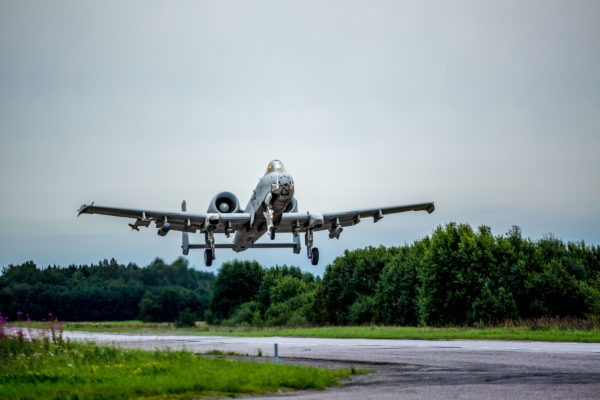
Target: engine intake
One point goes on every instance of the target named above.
(224, 202)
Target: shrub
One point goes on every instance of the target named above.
(236, 283)
(354, 274)
(246, 313)
(186, 319)
(362, 311)
(396, 292)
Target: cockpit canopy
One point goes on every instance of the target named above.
(275, 166)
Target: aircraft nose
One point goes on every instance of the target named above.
(285, 185)
(285, 180)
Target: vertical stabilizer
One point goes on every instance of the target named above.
(185, 240)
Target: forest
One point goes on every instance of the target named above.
(458, 276)
(106, 291)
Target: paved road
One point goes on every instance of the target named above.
(414, 369)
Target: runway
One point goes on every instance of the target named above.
(412, 369)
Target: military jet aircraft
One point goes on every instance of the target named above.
(272, 208)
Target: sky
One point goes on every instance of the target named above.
(490, 109)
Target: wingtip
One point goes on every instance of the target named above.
(431, 208)
(83, 209)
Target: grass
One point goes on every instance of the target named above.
(537, 330)
(513, 333)
(48, 367)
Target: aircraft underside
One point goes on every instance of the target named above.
(272, 209)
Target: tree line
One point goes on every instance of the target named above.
(458, 276)
(107, 291)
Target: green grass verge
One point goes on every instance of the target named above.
(515, 333)
(63, 370)
(368, 332)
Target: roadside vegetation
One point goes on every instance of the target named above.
(543, 329)
(107, 291)
(39, 364)
(458, 280)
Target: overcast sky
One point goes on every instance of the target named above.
(490, 109)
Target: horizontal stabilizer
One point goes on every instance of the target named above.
(254, 246)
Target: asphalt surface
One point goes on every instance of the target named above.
(411, 369)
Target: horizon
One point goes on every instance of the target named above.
(320, 268)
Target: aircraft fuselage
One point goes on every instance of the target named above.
(275, 190)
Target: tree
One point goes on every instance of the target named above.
(272, 277)
(236, 283)
(103, 291)
(354, 274)
(396, 295)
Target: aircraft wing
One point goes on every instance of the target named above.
(324, 221)
(179, 221)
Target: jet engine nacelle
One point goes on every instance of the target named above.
(292, 206)
(224, 202)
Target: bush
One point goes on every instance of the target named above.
(246, 313)
(494, 307)
(292, 311)
(236, 283)
(286, 288)
(396, 292)
(278, 314)
(186, 319)
(297, 320)
(165, 305)
(362, 311)
(354, 274)
(591, 294)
